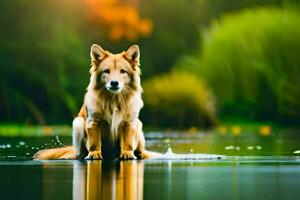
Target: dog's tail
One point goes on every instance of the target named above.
(150, 154)
(57, 153)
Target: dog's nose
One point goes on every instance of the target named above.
(114, 83)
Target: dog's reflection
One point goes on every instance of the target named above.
(108, 180)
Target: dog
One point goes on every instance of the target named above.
(108, 124)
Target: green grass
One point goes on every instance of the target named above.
(13, 130)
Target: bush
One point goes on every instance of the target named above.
(251, 60)
(178, 100)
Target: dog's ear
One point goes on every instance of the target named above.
(133, 54)
(97, 53)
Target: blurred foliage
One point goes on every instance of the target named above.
(42, 60)
(251, 60)
(178, 100)
(45, 53)
(121, 17)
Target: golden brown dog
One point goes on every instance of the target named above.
(107, 125)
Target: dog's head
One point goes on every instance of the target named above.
(115, 73)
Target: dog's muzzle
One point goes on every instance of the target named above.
(114, 86)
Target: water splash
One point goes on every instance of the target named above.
(297, 152)
(59, 141)
(169, 152)
(170, 155)
(23, 149)
(54, 143)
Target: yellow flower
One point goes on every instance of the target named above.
(47, 130)
(236, 130)
(193, 130)
(222, 130)
(265, 130)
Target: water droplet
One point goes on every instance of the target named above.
(297, 152)
(250, 147)
(22, 143)
(167, 140)
(231, 147)
(258, 147)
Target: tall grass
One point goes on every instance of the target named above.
(251, 60)
(178, 100)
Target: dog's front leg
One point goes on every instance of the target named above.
(128, 141)
(93, 143)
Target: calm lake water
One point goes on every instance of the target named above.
(249, 166)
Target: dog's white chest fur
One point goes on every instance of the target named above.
(114, 112)
(115, 121)
(108, 112)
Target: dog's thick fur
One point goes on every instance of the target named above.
(107, 125)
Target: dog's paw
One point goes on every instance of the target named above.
(127, 155)
(140, 154)
(94, 155)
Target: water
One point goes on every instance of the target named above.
(193, 166)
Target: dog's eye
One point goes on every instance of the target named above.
(106, 71)
(123, 71)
